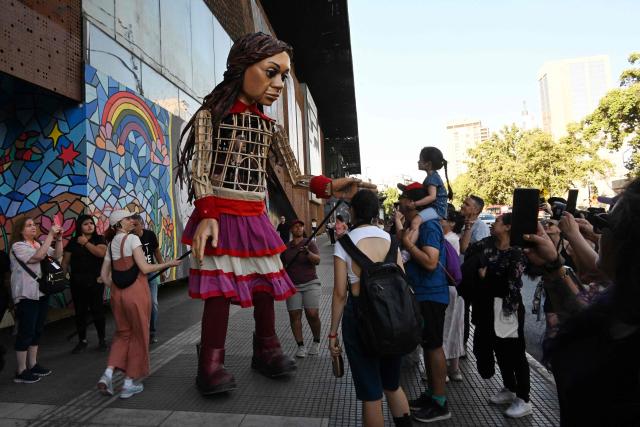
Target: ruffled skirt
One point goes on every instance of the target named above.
(247, 260)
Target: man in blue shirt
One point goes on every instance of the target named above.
(426, 273)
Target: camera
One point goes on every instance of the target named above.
(596, 217)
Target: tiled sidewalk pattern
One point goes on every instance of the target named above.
(311, 397)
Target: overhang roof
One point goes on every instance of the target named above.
(318, 30)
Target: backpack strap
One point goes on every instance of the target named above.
(356, 254)
(392, 255)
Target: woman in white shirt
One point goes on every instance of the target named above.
(31, 304)
(131, 306)
(371, 376)
(453, 336)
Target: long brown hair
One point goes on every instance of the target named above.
(246, 51)
(16, 230)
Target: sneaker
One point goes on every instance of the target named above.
(503, 396)
(446, 379)
(519, 408)
(80, 347)
(432, 412)
(152, 339)
(127, 392)
(456, 375)
(105, 385)
(419, 403)
(302, 351)
(314, 350)
(26, 377)
(40, 371)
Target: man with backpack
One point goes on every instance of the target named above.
(427, 274)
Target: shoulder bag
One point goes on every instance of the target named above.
(53, 279)
(123, 278)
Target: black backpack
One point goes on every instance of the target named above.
(388, 316)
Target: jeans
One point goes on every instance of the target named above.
(30, 315)
(153, 288)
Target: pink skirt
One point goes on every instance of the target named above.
(247, 260)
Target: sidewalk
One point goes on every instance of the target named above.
(311, 397)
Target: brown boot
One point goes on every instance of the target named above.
(212, 377)
(268, 358)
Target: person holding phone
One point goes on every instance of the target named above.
(32, 305)
(498, 314)
(595, 357)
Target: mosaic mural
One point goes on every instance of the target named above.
(59, 159)
(42, 159)
(129, 157)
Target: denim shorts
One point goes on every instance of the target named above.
(371, 375)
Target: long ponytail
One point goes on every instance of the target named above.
(446, 176)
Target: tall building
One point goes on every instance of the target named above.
(461, 136)
(570, 89)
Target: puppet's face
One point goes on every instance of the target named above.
(264, 80)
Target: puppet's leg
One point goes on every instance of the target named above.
(212, 377)
(268, 357)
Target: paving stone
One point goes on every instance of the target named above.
(131, 417)
(192, 419)
(276, 421)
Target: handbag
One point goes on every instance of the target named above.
(53, 278)
(337, 364)
(505, 325)
(123, 278)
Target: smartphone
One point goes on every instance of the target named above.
(572, 199)
(524, 218)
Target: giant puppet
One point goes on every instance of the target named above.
(224, 161)
(236, 249)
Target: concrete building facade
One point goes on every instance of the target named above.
(461, 136)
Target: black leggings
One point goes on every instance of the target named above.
(88, 298)
(30, 315)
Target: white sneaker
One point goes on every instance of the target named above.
(314, 350)
(519, 408)
(456, 375)
(503, 396)
(105, 385)
(302, 351)
(127, 392)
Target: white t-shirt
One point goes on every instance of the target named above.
(357, 235)
(132, 242)
(454, 240)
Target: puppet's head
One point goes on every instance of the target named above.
(257, 67)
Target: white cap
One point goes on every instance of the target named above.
(118, 215)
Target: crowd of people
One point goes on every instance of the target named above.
(456, 271)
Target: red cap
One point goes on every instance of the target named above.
(409, 187)
(297, 221)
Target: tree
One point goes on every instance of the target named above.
(515, 158)
(392, 195)
(616, 120)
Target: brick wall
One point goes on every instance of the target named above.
(234, 16)
(41, 43)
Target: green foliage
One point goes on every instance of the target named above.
(616, 120)
(515, 158)
(392, 195)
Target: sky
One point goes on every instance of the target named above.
(419, 64)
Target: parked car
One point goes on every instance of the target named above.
(487, 218)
